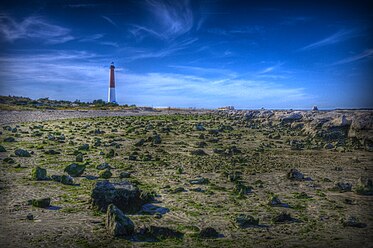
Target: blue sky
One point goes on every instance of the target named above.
(208, 53)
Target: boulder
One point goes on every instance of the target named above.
(123, 195)
(117, 223)
(66, 179)
(22, 153)
(244, 221)
(75, 170)
(124, 174)
(39, 174)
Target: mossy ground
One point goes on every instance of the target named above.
(262, 164)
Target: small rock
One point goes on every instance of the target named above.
(22, 153)
(41, 203)
(124, 174)
(2, 148)
(294, 174)
(66, 179)
(283, 217)
(117, 223)
(103, 166)
(352, 221)
(177, 190)
(343, 187)
(329, 146)
(9, 139)
(79, 158)
(84, 147)
(52, 152)
(30, 216)
(364, 186)
(200, 180)
(198, 152)
(208, 232)
(75, 170)
(164, 232)
(274, 201)
(106, 174)
(244, 221)
(39, 174)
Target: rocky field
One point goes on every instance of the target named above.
(205, 179)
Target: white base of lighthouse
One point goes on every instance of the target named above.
(111, 95)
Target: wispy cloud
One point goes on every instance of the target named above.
(340, 36)
(33, 28)
(216, 72)
(270, 68)
(171, 19)
(172, 49)
(364, 55)
(109, 20)
(254, 29)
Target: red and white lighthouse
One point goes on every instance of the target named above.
(111, 93)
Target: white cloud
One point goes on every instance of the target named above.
(366, 54)
(33, 28)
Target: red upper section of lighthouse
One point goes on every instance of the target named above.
(112, 79)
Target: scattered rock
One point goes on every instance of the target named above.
(283, 218)
(75, 170)
(2, 148)
(124, 174)
(22, 153)
(79, 158)
(208, 232)
(364, 186)
(329, 146)
(41, 203)
(84, 147)
(352, 221)
(244, 221)
(39, 174)
(164, 232)
(200, 180)
(177, 190)
(103, 166)
(105, 173)
(30, 216)
(294, 174)
(198, 152)
(117, 223)
(343, 187)
(9, 139)
(123, 195)
(52, 152)
(9, 160)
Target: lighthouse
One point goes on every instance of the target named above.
(111, 93)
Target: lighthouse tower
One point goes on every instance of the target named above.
(111, 93)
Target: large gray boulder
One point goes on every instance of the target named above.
(123, 195)
(117, 223)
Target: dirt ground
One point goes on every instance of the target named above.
(230, 147)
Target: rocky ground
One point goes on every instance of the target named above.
(205, 179)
